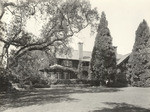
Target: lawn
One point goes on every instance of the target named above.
(94, 99)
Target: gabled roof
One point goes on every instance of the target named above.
(123, 59)
(86, 56)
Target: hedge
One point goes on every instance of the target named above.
(76, 81)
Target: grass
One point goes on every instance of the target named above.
(91, 99)
(44, 96)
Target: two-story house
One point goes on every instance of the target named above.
(73, 60)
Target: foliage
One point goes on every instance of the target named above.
(121, 76)
(27, 70)
(62, 20)
(37, 85)
(74, 82)
(103, 62)
(139, 61)
(5, 82)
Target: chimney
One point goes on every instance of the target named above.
(80, 45)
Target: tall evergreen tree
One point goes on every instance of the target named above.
(139, 61)
(103, 62)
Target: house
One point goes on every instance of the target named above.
(83, 57)
(74, 59)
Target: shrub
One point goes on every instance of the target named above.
(5, 84)
(40, 86)
(118, 84)
(147, 84)
(94, 82)
(77, 82)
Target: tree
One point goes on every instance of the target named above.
(62, 20)
(139, 61)
(103, 62)
(14, 33)
(27, 69)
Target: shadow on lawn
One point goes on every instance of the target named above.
(122, 107)
(34, 97)
(98, 90)
(43, 96)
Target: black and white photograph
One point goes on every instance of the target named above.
(74, 55)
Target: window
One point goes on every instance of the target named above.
(85, 63)
(67, 63)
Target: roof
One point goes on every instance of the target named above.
(123, 59)
(75, 55)
(57, 68)
(86, 56)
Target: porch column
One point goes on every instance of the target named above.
(69, 75)
(65, 75)
(58, 75)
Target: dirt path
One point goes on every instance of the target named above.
(125, 100)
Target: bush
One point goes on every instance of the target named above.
(77, 81)
(138, 84)
(40, 86)
(118, 84)
(94, 82)
(147, 84)
(5, 85)
(63, 81)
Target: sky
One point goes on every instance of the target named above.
(123, 18)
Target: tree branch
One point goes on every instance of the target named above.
(12, 43)
(3, 6)
(9, 4)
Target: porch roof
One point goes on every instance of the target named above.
(58, 68)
